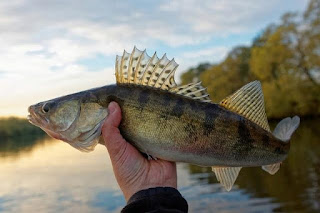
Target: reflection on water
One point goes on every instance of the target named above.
(55, 177)
(21, 145)
(50, 176)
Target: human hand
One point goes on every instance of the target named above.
(133, 172)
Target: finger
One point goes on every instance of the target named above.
(114, 114)
(110, 132)
(117, 146)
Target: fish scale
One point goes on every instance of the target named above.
(145, 103)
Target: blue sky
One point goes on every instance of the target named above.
(55, 47)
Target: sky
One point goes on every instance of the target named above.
(56, 47)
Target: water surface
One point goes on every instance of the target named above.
(45, 175)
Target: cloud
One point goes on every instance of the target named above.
(225, 17)
(44, 42)
(217, 53)
(193, 58)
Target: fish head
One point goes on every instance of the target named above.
(53, 116)
(76, 120)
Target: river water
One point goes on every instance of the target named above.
(45, 175)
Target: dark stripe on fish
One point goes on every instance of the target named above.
(265, 140)
(191, 130)
(143, 99)
(124, 93)
(165, 101)
(209, 121)
(279, 150)
(178, 108)
(245, 142)
(194, 106)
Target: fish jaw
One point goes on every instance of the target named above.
(43, 123)
(54, 135)
(36, 119)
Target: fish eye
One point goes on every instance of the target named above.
(45, 108)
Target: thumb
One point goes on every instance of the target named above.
(114, 142)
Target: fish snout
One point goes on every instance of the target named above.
(36, 114)
(31, 116)
(31, 109)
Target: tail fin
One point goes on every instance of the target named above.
(283, 131)
(286, 128)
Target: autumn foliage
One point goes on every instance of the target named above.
(285, 57)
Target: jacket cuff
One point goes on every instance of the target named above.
(160, 199)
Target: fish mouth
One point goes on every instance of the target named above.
(32, 117)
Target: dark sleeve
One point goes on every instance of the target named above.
(160, 199)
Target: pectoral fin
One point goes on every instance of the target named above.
(226, 175)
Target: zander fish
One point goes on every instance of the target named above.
(175, 123)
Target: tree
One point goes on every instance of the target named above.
(225, 78)
(285, 57)
(309, 43)
(193, 74)
(286, 64)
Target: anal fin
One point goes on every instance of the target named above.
(226, 175)
(272, 168)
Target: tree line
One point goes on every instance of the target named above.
(284, 57)
(11, 128)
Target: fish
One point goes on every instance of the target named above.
(172, 122)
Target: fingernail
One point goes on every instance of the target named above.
(111, 107)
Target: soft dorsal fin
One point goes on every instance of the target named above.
(226, 175)
(248, 101)
(140, 69)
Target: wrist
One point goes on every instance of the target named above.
(161, 198)
(133, 190)
(154, 191)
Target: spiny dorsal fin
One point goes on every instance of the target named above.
(248, 101)
(124, 66)
(140, 69)
(194, 90)
(133, 62)
(226, 175)
(149, 69)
